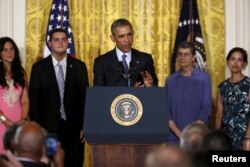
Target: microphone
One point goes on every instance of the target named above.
(132, 67)
(120, 68)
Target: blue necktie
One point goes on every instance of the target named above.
(125, 65)
(60, 81)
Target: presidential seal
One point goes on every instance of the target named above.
(126, 109)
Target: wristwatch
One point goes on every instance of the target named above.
(2, 118)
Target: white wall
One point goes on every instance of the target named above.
(12, 22)
(237, 21)
(237, 14)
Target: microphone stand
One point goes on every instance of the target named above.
(126, 74)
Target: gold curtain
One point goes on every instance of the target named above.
(211, 14)
(155, 24)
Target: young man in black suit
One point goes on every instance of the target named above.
(110, 70)
(57, 96)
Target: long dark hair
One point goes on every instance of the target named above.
(17, 71)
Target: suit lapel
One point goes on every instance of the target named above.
(51, 71)
(113, 60)
(113, 57)
(69, 71)
(135, 58)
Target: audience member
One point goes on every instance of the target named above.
(188, 93)
(29, 140)
(14, 101)
(8, 138)
(57, 95)
(192, 137)
(168, 156)
(233, 106)
(124, 66)
(216, 141)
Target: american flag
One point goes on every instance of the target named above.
(189, 29)
(59, 18)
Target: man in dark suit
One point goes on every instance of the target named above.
(58, 104)
(110, 69)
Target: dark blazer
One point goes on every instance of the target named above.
(45, 98)
(33, 164)
(107, 69)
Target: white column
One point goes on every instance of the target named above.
(237, 25)
(6, 17)
(12, 22)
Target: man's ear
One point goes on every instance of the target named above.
(49, 44)
(112, 38)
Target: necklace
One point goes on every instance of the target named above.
(10, 96)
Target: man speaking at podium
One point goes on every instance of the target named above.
(124, 66)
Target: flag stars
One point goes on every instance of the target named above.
(59, 18)
(188, 22)
(60, 7)
(180, 24)
(65, 8)
(70, 40)
(52, 17)
(69, 30)
(64, 18)
(53, 7)
(185, 22)
(196, 21)
(50, 27)
(68, 51)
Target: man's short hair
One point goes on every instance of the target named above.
(119, 23)
(57, 30)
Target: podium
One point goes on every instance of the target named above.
(123, 124)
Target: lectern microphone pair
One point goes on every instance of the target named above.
(126, 73)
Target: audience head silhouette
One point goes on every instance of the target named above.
(8, 138)
(216, 141)
(168, 156)
(192, 137)
(29, 141)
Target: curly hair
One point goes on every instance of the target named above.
(17, 71)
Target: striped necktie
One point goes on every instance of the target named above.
(60, 82)
(125, 64)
